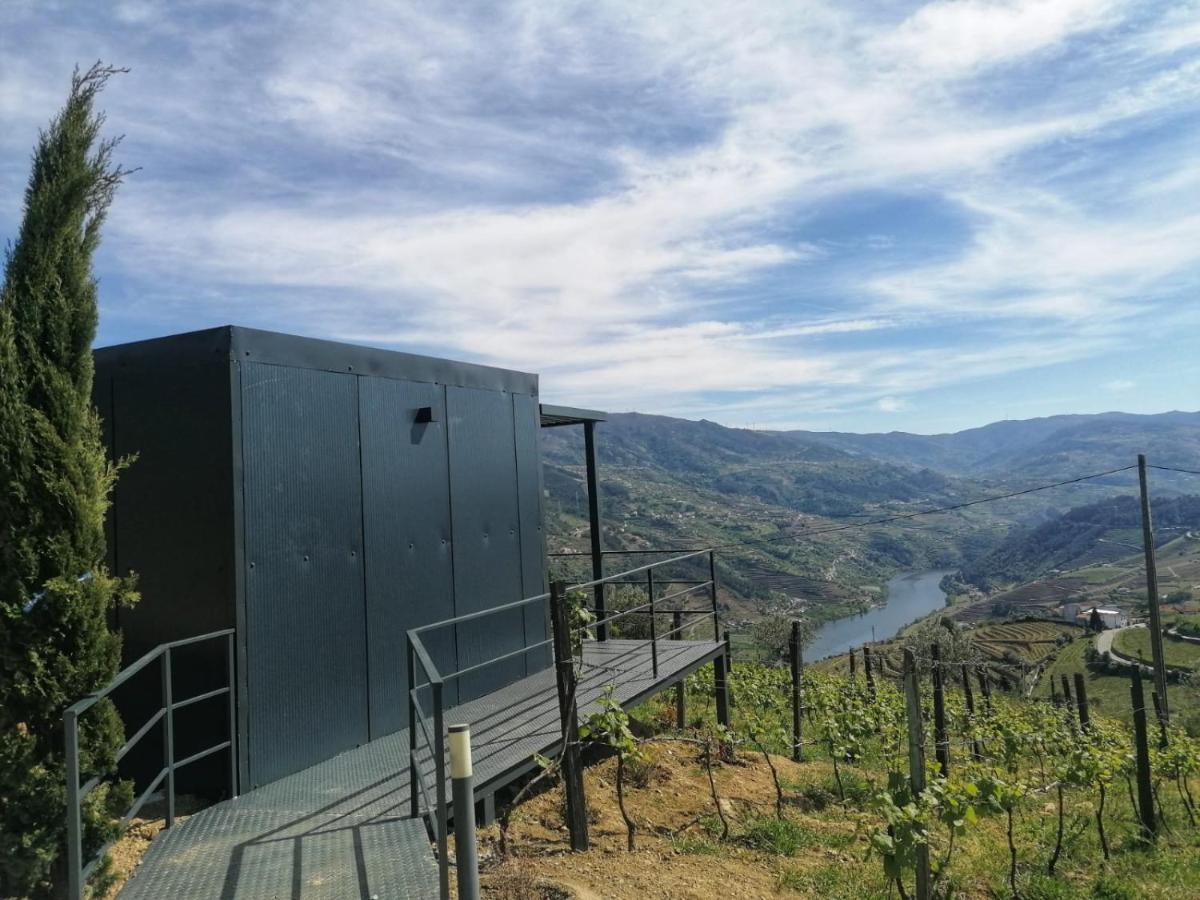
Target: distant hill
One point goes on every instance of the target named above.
(787, 469)
(671, 482)
(1087, 535)
(1052, 447)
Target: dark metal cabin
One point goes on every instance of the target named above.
(323, 499)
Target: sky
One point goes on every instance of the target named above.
(861, 216)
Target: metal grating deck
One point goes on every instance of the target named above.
(339, 829)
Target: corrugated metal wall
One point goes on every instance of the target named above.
(406, 513)
(487, 544)
(170, 523)
(305, 605)
(528, 427)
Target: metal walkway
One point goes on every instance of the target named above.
(340, 830)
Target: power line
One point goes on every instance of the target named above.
(1173, 469)
(929, 512)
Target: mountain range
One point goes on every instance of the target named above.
(788, 504)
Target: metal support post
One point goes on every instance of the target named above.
(596, 529)
(439, 757)
(169, 734)
(231, 658)
(74, 820)
(414, 800)
(680, 688)
(462, 782)
(653, 623)
(712, 584)
(721, 688)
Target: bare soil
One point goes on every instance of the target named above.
(669, 812)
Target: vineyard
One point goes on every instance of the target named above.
(1021, 798)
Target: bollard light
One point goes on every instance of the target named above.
(462, 782)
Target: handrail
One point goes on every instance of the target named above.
(569, 553)
(425, 675)
(664, 562)
(133, 668)
(79, 870)
(470, 617)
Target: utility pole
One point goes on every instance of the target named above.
(1156, 647)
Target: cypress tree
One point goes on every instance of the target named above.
(55, 481)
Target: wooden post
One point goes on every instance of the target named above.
(985, 689)
(680, 688)
(916, 762)
(564, 664)
(1142, 749)
(1156, 645)
(867, 671)
(941, 741)
(1068, 700)
(1081, 700)
(976, 749)
(853, 673)
(794, 654)
(1054, 693)
(1162, 724)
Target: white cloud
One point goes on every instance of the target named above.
(952, 36)
(601, 191)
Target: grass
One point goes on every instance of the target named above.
(1109, 694)
(782, 837)
(1135, 643)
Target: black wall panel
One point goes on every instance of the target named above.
(305, 608)
(170, 524)
(172, 507)
(527, 428)
(487, 558)
(409, 556)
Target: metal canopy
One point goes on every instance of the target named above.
(554, 416)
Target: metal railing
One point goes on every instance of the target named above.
(79, 870)
(420, 663)
(427, 732)
(653, 607)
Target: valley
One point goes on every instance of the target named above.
(793, 512)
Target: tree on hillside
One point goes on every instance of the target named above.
(55, 480)
(1095, 623)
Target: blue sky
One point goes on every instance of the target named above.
(833, 215)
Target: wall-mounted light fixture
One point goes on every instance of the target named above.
(426, 414)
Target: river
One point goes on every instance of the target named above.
(909, 597)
